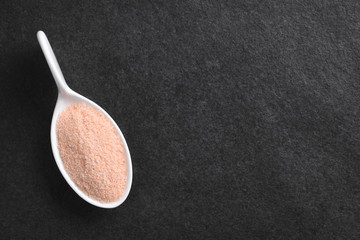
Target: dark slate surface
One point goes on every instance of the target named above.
(242, 117)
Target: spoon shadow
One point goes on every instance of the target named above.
(36, 92)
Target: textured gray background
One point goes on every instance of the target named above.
(242, 117)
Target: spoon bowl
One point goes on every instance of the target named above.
(67, 97)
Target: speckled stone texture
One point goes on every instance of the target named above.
(242, 117)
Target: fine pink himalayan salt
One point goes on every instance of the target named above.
(92, 152)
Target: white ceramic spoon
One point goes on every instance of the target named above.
(65, 98)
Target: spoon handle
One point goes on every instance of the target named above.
(53, 63)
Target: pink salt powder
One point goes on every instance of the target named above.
(92, 152)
